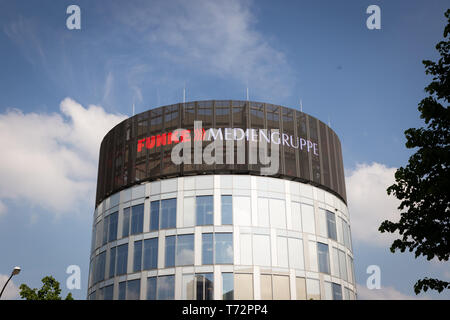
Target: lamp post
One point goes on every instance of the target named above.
(15, 271)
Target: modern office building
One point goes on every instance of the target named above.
(223, 229)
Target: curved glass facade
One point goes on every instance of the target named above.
(221, 237)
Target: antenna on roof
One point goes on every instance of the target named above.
(184, 93)
(329, 122)
(133, 108)
(301, 106)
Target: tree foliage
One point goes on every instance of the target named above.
(423, 185)
(50, 290)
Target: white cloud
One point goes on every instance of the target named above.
(11, 291)
(369, 204)
(385, 293)
(50, 160)
(3, 208)
(217, 37)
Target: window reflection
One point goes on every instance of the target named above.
(150, 253)
(223, 248)
(170, 251)
(126, 222)
(108, 293)
(227, 286)
(166, 287)
(137, 258)
(337, 291)
(227, 209)
(154, 215)
(122, 290)
(331, 225)
(322, 254)
(122, 258)
(207, 248)
(204, 210)
(185, 250)
(205, 286)
(168, 213)
(151, 288)
(133, 289)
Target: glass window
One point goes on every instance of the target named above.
(227, 209)
(185, 250)
(122, 290)
(337, 291)
(126, 222)
(346, 293)
(243, 284)
(188, 287)
(242, 211)
(246, 249)
(349, 238)
(328, 290)
(227, 286)
(93, 241)
(112, 262)
(324, 261)
(101, 266)
(189, 212)
(168, 213)
(350, 269)
(277, 213)
(137, 258)
(322, 223)
(98, 236)
(342, 265)
(263, 212)
(133, 289)
(166, 287)
(266, 287)
(312, 289)
(223, 248)
(122, 258)
(150, 253)
(345, 233)
(151, 288)
(261, 250)
(300, 284)
(331, 225)
(204, 210)
(205, 286)
(282, 252)
(170, 251)
(340, 232)
(335, 265)
(281, 289)
(108, 293)
(137, 219)
(296, 218)
(154, 215)
(312, 246)
(296, 260)
(308, 218)
(113, 222)
(100, 295)
(105, 230)
(207, 248)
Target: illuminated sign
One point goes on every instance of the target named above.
(228, 134)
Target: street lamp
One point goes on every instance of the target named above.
(15, 271)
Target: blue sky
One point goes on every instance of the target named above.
(55, 81)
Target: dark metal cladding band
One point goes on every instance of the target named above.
(139, 148)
